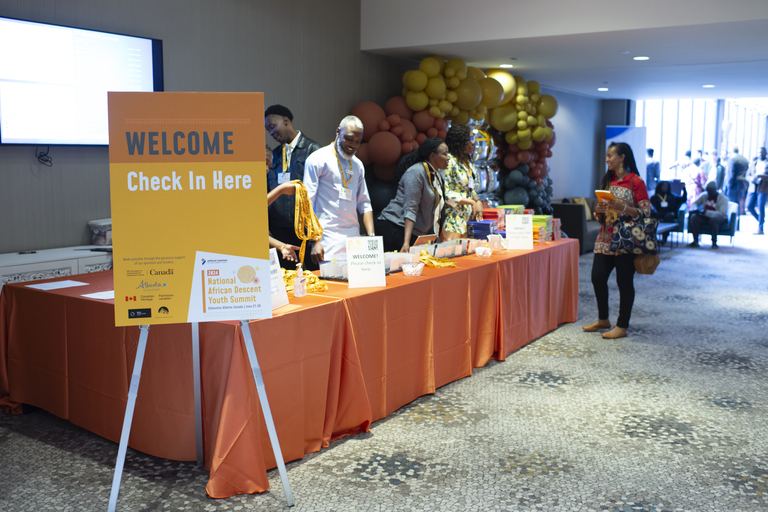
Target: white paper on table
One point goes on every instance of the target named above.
(365, 261)
(101, 295)
(520, 232)
(56, 285)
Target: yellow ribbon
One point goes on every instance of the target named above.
(314, 283)
(344, 179)
(430, 261)
(305, 222)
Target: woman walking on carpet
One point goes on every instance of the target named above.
(631, 202)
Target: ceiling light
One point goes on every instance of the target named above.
(641, 58)
(625, 53)
(602, 89)
(506, 66)
(708, 86)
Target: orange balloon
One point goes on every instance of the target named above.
(384, 148)
(396, 105)
(371, 115)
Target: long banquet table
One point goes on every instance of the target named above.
(332, 362)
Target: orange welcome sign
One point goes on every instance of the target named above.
(187, 176)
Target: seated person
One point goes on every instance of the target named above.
(665, 204)
(418, 206)
(714, 214)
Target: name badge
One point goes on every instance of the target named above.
(283, 177)
(664, 204)
(345, 194)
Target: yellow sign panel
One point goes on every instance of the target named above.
(188, 190)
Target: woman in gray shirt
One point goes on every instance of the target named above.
(418, 206)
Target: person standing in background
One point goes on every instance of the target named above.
(736, 179)
(288, 161)
(652, 172)
(758, 188)
(461, 201)
(695, 181)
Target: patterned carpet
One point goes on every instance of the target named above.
(671, 418)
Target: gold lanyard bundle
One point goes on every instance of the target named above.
(314, 283)
(430, 261)
(305, 221)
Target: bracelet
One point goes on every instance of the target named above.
(624, 211)
(283, 247)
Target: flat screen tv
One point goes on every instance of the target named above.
(54, 80)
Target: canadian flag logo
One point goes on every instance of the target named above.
(130, 298)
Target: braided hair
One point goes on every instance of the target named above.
(621, 148)
(421, 154)
(457, 138)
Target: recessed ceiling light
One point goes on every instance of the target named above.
(708, 86)
(625, 53)
(602, 89)
(640, 57)
(506, 66)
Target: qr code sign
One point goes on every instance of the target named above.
(526, 219)
(373, 245)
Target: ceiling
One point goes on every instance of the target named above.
(580, 46)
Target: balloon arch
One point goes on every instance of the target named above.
(511, 119)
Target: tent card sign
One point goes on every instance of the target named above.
(189, 201)
(519, 232)
(365, 261)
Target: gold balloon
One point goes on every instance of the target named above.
(453, 82)
(532, 121)
(535, 98)
(405, 77)
(511, 137)
(547, 106)
(549, 133)
(520, 82)
(524, 143)
(433, 102)
(469, 94)
(524, 134)
(522, 115)
(541, 120)
(417, 100)
(455, 111)
(520, 99)
(445, 106)
(522, 125)
(462, 117)
(539, 134)
(534, 87)
(435, 87)
(440, 61)
(506, 81)
(417, 80)
(430, 67)
(457, 64)
(479, 75)
(451, 96)
(461, 74)
(449, 72)
(479, 116)
(503, 118)
(434, 111)
(492, 90)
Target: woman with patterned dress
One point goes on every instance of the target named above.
(626, 186)
(461, 201)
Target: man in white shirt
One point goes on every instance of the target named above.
(713, 214)
(335, 181)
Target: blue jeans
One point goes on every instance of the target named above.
(759, 200)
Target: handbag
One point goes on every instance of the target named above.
(646, 263)
(635, 236)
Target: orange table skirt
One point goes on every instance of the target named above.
(332, 362)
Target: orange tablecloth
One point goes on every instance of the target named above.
(332, 362)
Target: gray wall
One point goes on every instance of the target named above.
(304, 54)
(577, 157)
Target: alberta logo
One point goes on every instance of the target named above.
(144, 285)
(163, 310)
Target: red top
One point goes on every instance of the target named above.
(630, 190)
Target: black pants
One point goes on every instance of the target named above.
(602, 266)
(697, 220)
(393, 235)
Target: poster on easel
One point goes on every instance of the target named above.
(189, 207)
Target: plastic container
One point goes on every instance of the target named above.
(299, 283)
(101, 231)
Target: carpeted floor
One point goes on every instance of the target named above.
(671, 418)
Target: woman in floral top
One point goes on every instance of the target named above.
(461, 202)
(626, 186)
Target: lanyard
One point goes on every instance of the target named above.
(285, 160)
(663, 198)
(341, 169)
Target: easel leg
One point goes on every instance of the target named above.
(266, 410)
(198, 395)
(132, 392)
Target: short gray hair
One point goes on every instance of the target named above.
(351, 122)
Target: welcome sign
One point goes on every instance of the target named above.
(189, 208)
